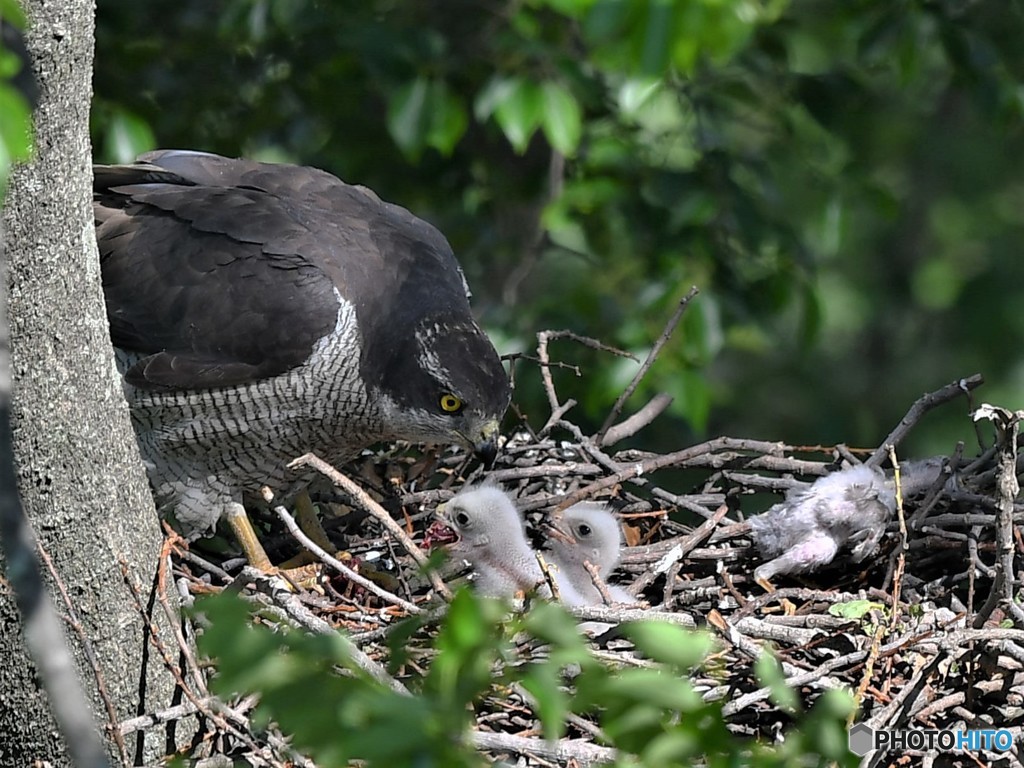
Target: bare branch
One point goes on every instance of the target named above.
(666, 334)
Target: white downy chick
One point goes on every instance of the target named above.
(587, 532)
(850, 507)
(492, 539)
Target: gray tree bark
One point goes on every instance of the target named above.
(78, 470)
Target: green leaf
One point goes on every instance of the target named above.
(667, 643)
(407, 116)
(15, 128)
(635, 92)
(467, 646)
(561, 118)
(544, 682)
(425, 112)
(855, 609)
(491, 95)
(447, 118)
(654, 687)
(551, 623)
(655, 36)
(671, 748)
(127, 136)
(694, 397)
(769, 672)
(518, 112)
(11, 12)
(574, 9)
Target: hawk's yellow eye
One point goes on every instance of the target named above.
(450, 403)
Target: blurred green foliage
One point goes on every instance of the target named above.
(16, 89)
(843, 180)
(652, 714)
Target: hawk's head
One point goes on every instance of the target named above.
(444, 384)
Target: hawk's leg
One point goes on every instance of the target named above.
(246, 535)
(309, 521)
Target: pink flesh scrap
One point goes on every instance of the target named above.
(439, 533)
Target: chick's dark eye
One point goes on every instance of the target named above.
(449, 403)
(584, 530)
(462, 519)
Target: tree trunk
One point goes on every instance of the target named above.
(78, 469)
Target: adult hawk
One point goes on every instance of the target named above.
(259, 311)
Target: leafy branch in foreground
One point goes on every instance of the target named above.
(648, 715)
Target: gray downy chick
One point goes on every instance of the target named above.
(850, 508)
(587, 532)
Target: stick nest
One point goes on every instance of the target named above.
(925, 633)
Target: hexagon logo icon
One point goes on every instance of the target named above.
(862, 738)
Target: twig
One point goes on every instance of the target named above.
(1007, 425)
(923, 404)
(287, 600)
(375, 509)
(901, 551)
(683, 546)
(171, 615)
(179, 678)
(615, 615)
(598, 582)
(543, 339)
(90, 655)
(630, 426)
(333, 562)
(666, 334)
(678, 458)
(583, 752)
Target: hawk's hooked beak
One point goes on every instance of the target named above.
(486, 451)
(487, 448)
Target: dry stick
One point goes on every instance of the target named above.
(630, 426)
(220, 709)
(290, 603)
(153, 719)
(563, 750)
(869, 672)
(599, 583)
(545, 375)
(813, 676)
(666, 334)
(281, 744)
(1007, 427)
(614, 615)
(887, 716)
(923, 404)
(175, 671)
(543, 338)
(377, 511)
(901, 552)
(173, 617)
(682, 547)
(333, 562)
(676, 458)
(592, 730)
(556, 416)
(590, 447)
(90, 655)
